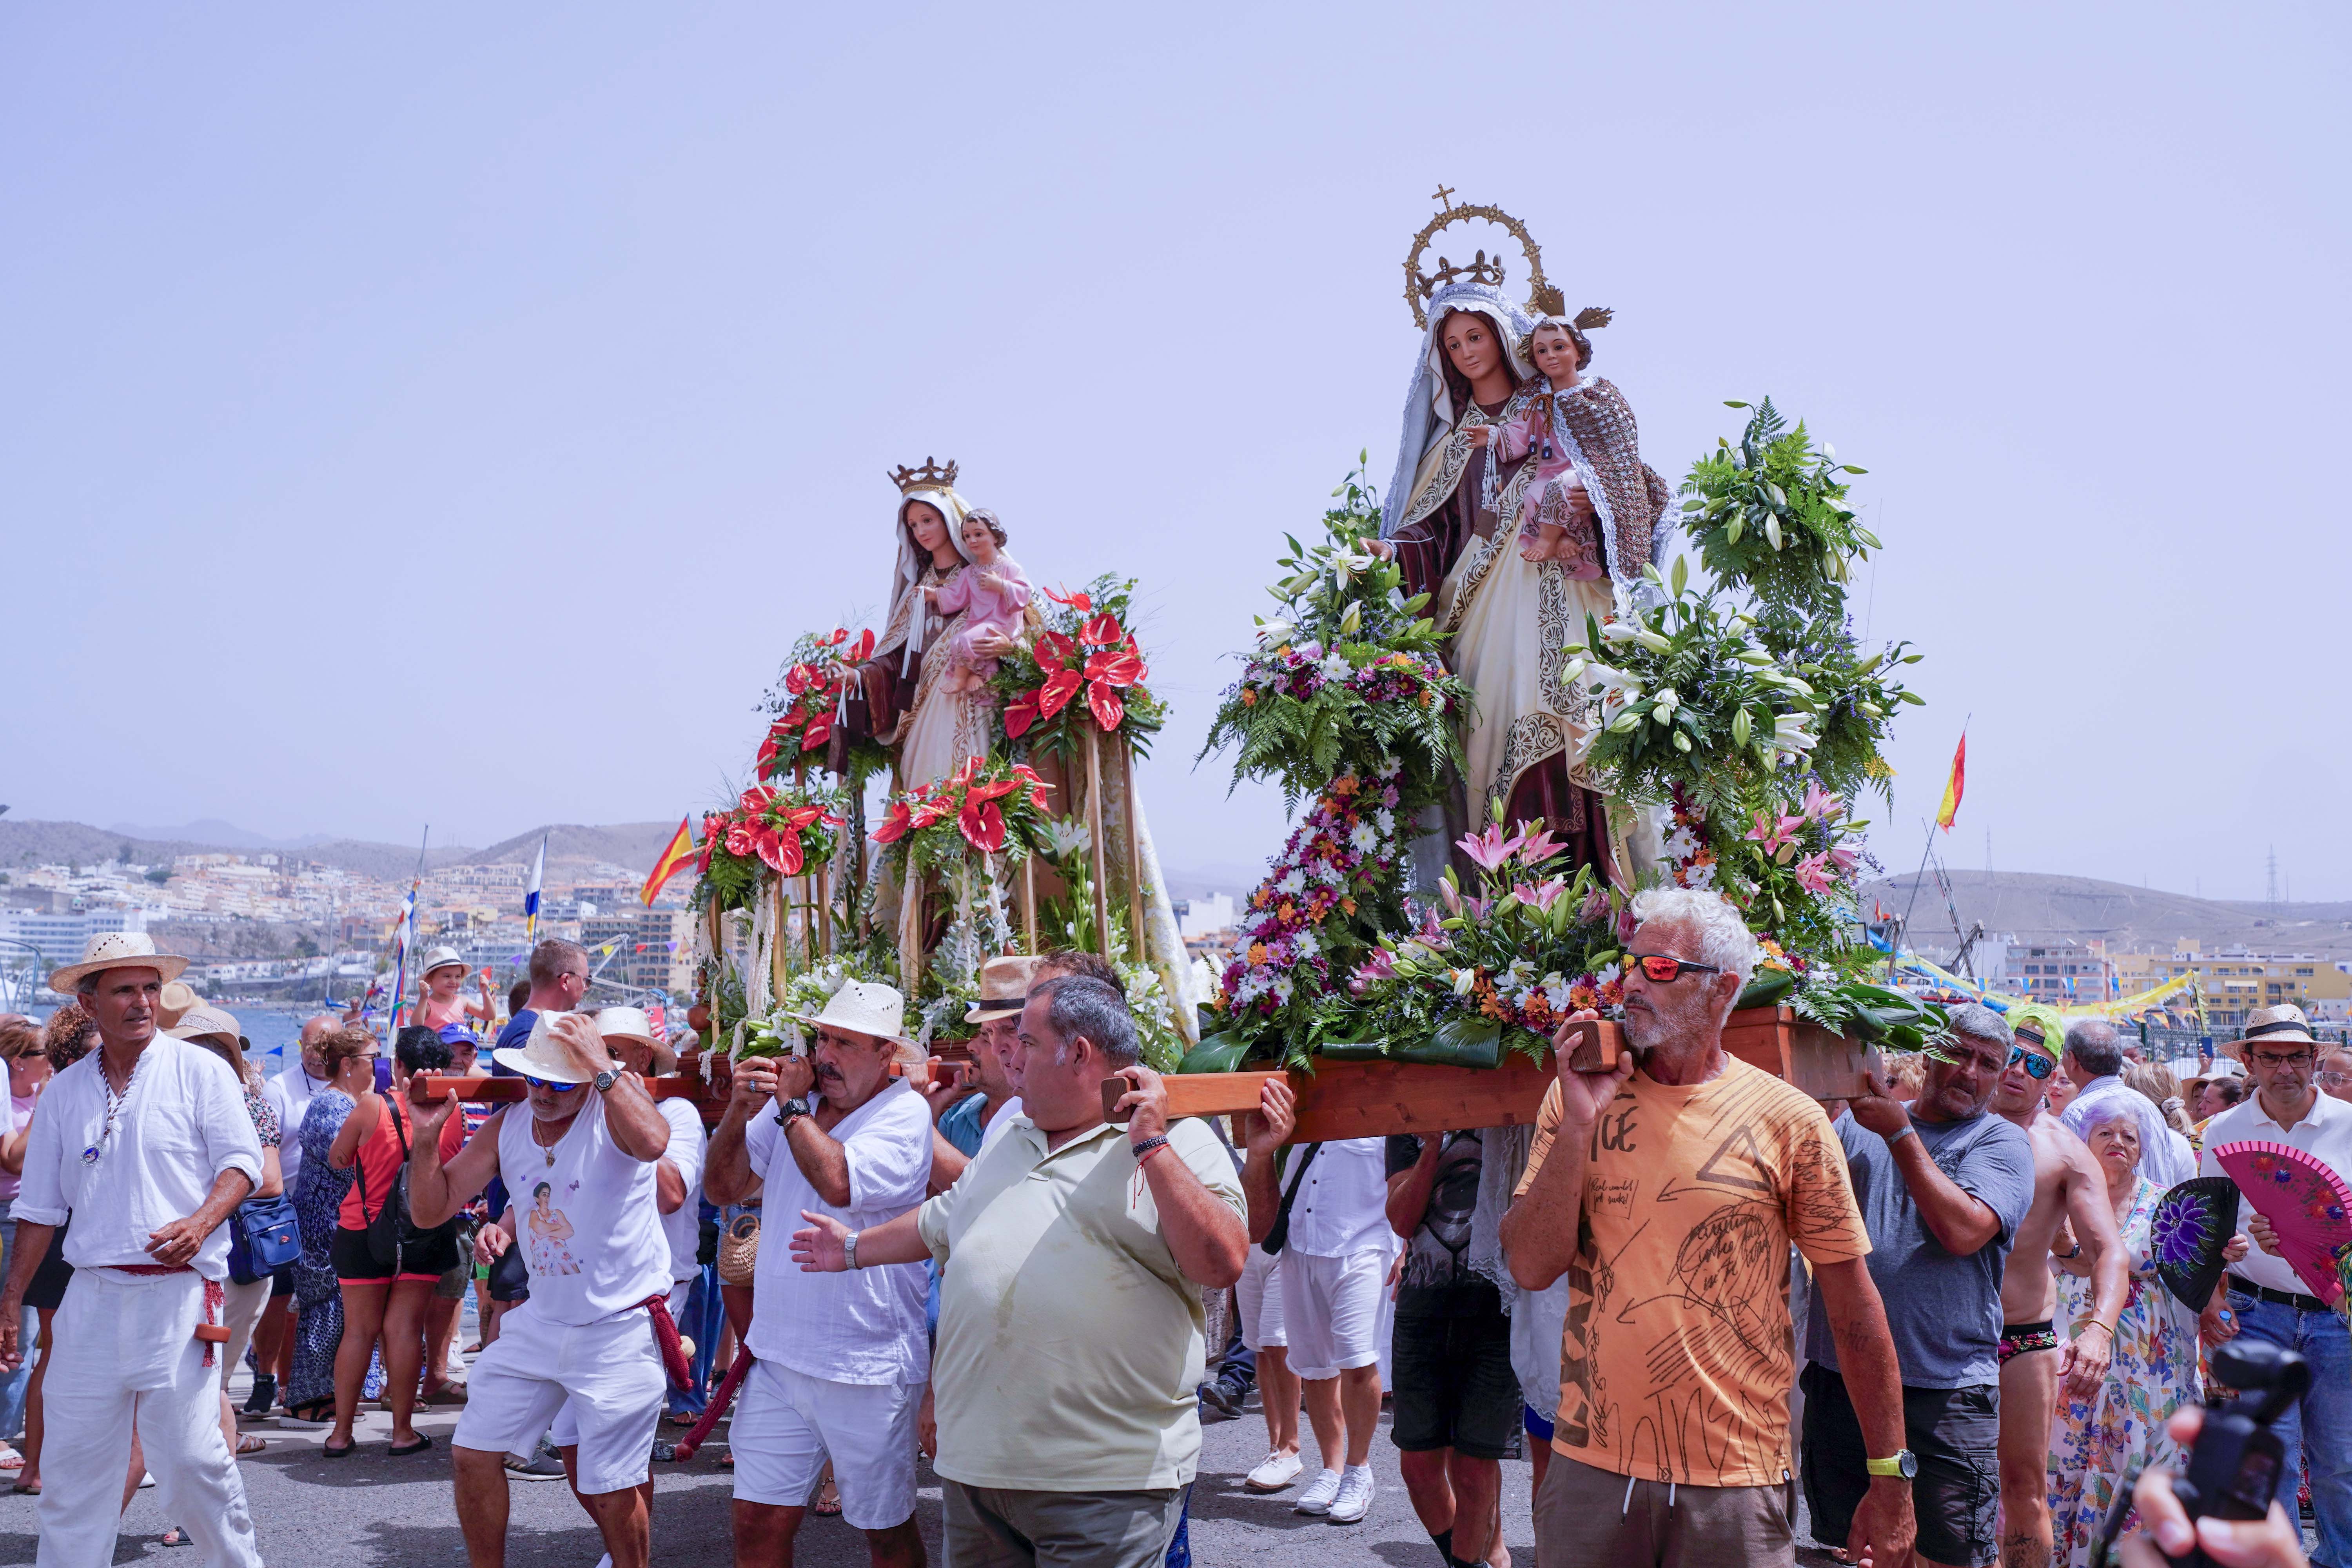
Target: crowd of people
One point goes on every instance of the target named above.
(1684, 1293)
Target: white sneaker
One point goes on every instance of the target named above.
(1316, 1498)
(1355, 1499)
(1275, 1472)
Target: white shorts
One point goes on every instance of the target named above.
(1258, 1294)
(606, 1377)
(787, 1424)
(564, 1430)
(1331, 1309)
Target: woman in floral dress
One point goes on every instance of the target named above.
(2099, 1444)
(318, 1198)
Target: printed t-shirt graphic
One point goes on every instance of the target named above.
(1678, 1356)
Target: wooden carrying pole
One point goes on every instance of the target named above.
(1134, 852)
(1094, 833)
(1029, 901)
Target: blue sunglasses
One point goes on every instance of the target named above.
(2037, 1066)
(556, 1088)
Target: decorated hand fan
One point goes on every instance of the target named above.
(2307, 1205)
(2192, 1224)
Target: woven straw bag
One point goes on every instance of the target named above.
(738, 1249)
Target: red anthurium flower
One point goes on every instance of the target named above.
(1019, 714)
(739, 841)
(963, 775)
(800, 817)
(800, 680)
(1059, 688)
(895, 826)
(1104, 702)
(1054, 651)
(863, 648)
(788, 858)
(1102, 631)
(1115, 666)
(982, 824)
(997, 790)
(766, 763)
(819, 731)
(1077, 601)
(926, 814)
(840, 635)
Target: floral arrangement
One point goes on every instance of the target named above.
(1347, 673)
(1084, 648)
(1325, 899)
(805, 700)
(783, 828)
(987, 805)
(1499, 970)
(1767, 513)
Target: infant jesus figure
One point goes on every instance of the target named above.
(993, 588)
(1552, 526)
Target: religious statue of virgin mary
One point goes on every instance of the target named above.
(1453, 526)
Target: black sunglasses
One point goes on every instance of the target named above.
(1657, 966)
(2037, 1066)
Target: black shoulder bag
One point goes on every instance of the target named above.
(1279, 1237)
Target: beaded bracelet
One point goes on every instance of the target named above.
(1148, 1147)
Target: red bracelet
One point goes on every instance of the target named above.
(1150, 1147)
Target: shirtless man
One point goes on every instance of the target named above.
(2066, 1185)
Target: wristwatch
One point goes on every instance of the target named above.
(1904, 1464)
(606, 1079)
(849, 1249)
(790, 1111)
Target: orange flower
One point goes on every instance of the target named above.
(1257, 953)
(1249, 698)
(1348, 906)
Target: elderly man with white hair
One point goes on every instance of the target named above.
(2095, 1060)
(147, 1143)
(1668, 1190)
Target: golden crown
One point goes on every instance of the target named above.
(929, 477)
(1543, 298)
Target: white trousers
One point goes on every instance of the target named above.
(125, 1352)
(241, 1311)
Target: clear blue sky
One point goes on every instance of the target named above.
(410, 414)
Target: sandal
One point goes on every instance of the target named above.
(29, 1488)
(176, 1536)
(828, 1503)
(247, 1443)
(329, 1451)
(402, 1450)
(448, 1393)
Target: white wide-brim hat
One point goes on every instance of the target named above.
(631, 1024)
(541, 1055)
(441, 958)
(116, 950)
(201, 1021)
(863, 1007)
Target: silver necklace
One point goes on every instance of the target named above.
(114, 1104)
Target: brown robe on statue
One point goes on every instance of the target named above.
(1544, 793)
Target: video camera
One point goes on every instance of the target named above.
(2235, 1468)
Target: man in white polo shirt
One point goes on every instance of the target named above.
(146, 1142)
(2265, 1299)
(841, 1360)
(580, 1157)
(1335, 1250)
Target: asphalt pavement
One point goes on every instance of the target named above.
(373, 1508)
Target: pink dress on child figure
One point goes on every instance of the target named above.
(992, 609)
(1547, 493)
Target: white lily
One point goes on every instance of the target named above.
(1618, 631)
(1651, 640)
(1464, 980)
(1275, 631)
(1352, 619)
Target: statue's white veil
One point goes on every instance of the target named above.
(912, 624)
(1429, 411)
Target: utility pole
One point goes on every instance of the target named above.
(2269, 894)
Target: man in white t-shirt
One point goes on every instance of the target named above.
(678, 1176)
(841, 1359)
(581, 1159)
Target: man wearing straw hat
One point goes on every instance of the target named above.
(2264, 1298)
(580, 1157)
(146, 1142)
(840, 1362)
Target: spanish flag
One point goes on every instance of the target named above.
(1951, 806)
(680, 850)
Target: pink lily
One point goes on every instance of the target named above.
(1452, 896)
(1490, 849)
(1842, 857)
(1812, 873)
(1820, 805)
(1773, 837)
(1542, 898)
(1539, 847)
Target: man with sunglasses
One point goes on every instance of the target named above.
(2069, 1187)
(2265, 1298)
(1668, 1194)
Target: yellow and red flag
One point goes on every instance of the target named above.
(679, 851)
(1951, 806)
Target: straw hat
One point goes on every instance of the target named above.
(541, 1055)
(1004, 988)
(179, 999)
(116, 950)
(863, 1007)
(2284, 1026)
(440, 958)
(200, 1021)
(631, 1024)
